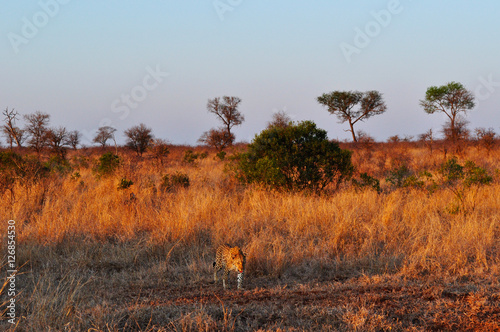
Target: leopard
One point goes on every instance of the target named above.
(229, 259)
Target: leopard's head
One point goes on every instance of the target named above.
(237, 259)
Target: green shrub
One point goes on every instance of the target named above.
(221, 155)
(75, 176)
(475, 175)
(294, 158)
(171, 182)
(9, 169)
(366, 181)
(80, 162)
(451, 170)
(459, 179)
(9, 160)
(58, 164)
(469, 173)
(107, 164)
(124, 184)
(398, 176)
(190, 157)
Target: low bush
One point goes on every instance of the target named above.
(171, 182)
(294, 158)
(107, 164)
(124, 184)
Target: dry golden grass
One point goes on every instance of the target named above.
(98, 258)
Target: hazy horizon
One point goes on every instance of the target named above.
(89, 64)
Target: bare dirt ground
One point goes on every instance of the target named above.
(363, 304)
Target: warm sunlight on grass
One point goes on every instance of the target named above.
(87, 244)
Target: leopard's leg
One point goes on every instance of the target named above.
(224, 278)
(240, 280)
(216, 270)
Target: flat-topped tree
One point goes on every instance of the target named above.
(343, 103)
(450, 99)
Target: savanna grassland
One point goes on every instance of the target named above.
(101, 253)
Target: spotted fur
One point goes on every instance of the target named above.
(229, 259)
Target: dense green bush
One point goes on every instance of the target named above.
(296, 157)
(107, 164)
(469, 173)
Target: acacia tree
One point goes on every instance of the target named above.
(36, 127)
(103, 135)
(342, 103)
(227, 111)
(139, 138)
(450, 99)
(11, 132)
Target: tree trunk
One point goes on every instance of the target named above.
(352, 131)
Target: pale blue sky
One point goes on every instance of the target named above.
(78, 61)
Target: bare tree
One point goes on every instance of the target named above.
(342, 104)
(486, 138)
(217, 138)
(103, 135)
(139, 138)
(456, 130)
(280, 119)
(74, 138)
(427, 138)
(36, 127)
(57, 138)
(159, 149)
(12, 133)
(227, 111)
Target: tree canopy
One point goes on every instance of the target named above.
(342, 103)
(451, 99)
